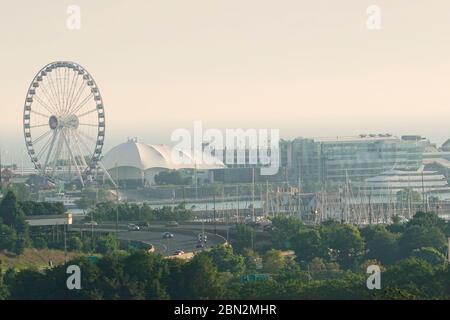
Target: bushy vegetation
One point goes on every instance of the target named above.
(293, 261)
(132, 212)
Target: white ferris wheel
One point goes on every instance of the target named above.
(64, 122)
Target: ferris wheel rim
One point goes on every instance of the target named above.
(63, 119)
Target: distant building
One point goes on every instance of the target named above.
(384, 188)
(321, 163)
(138, 162)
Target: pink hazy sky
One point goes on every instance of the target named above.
(308, 68)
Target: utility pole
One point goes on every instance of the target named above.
(237, 203)
(214, 212)
(253, 194)
(65, 242)
(1, 167)
(423, 195)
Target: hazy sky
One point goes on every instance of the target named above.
(309, 68)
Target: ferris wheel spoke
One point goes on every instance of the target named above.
(80, 152)
(56, 88)
(65, 95)
(39, 125)
(53, 88)
(80, 91)
(49, 96)
(42, 136)
(40, 114)
(59, 86)
(83, 143)
(87, 136)
(87, 112)
(52, 144)
(44, 148)
(83, 103)
(42, 103)
(57, 155)
(71, 89)
(88, 124)
(73, 159)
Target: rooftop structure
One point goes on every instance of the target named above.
(135, 160)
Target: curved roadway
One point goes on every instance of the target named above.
(185, 239)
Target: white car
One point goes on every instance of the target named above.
(133, 227)
(178, 253)
(167, 235)
(91, 223)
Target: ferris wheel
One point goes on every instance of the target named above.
(64, 122)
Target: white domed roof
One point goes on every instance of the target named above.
(142, 156)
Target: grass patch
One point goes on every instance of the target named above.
(35, 258)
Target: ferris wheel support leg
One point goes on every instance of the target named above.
(55, 135)
(107, 174)
(73, 159)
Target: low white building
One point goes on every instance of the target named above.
(138, 161)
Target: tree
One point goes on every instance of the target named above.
(243, 238)
(430, 255)
(74, 243)
(380, 244)
(144, 272)
(308, 245)
(8, 238)
(430, 219)
(320, 269)
(21, 190)
(106, 244)
(344, 242)
(251, 259)
(11, 214)
(4, 291)
(202, 280)
(225, 260)
(416, 237)
(284, 230)
(273, 261)
(414, 275)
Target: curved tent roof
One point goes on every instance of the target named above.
(142, 156)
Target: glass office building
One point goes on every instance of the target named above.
(328, 163)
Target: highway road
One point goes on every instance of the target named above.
(184, 239)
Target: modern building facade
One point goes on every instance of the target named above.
(327, 163)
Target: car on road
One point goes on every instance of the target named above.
(178, 253)
(133, 227)
(202, 237)
(143, 224)
(167, 235)
(172, 224)
(91, 223)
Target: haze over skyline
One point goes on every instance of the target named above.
(307, 68)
